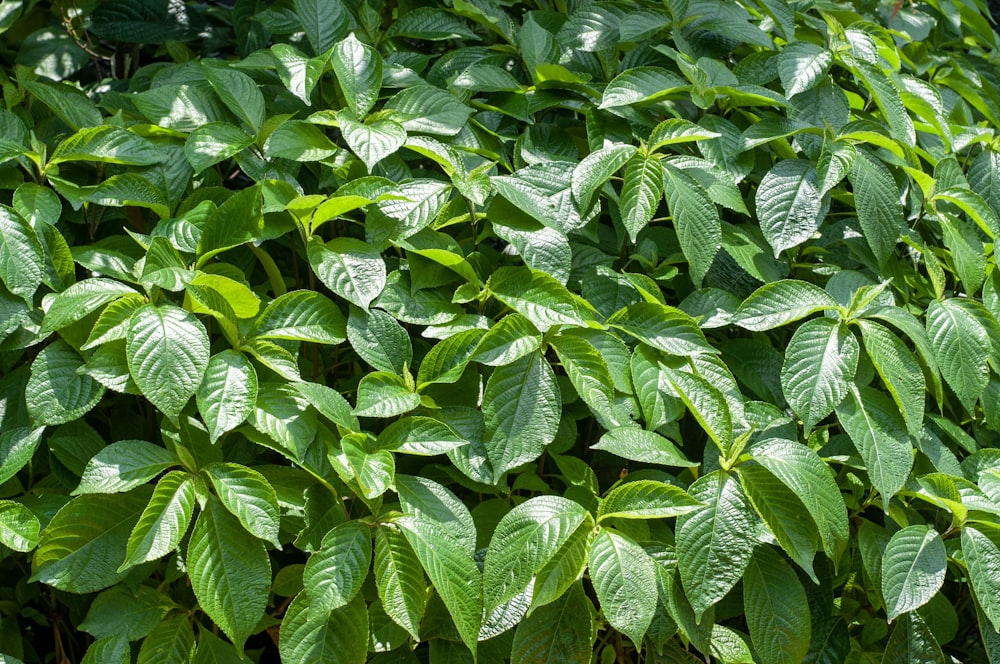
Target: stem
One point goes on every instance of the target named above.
(273, 273)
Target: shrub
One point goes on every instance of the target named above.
(349, 330)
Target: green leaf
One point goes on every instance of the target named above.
(382, 394)
(809, 478)
(876, 199)
(961, 347)
(886, 96)
(69, 104)
(401, 585)
(642, 190)
(510, 339)
(37, 204)
(163, 522)
(298, 140)
(230, 572)
(358, 68)
(640, 84)
(427, 500)
(777, 609)
(696, 220)
(310, 634)
(237, 221)
(646, 499)
(899, 370)
(133, 613)
(21, 259)
(238, 92)
(981, 547)
(802, 65)
(108, 650)
(124, 465)
(302, 315)
(323, 22)
(835, 162)
(522, 408)
(128, 189)
(877, 429)
(171, 642)
(912, 641)
(624, 579)
(17, 446)
(19, 527)
(82, 547)
(329, 403)
(714, 544)
(538, 297)
(913, 568)
(643, 446)
(108, 144)
(334, 574)
(820, 362)
(429, 110)
(213, 650)
(227, 393)
(373, 471)
(57, 391)
(371, 142)
(663, 327)
(380, 340)
(352, 269)
(708, 405)
(789, 205)
(419, 435)
(168, 354)
(523, 542)
(248, 496)
(214, 142)
(452, 571)
(594, 170)
(447, 360)
(782, 302)
(562, 631)
(80, 300)
(589, 373)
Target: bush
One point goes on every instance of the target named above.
(348, 331)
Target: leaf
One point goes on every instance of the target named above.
(17, 447)
(171, 642)
(899, 370)
(81, 299)
(624, 579)
(56, 391)
(37, 204)
(302, 315)
(961, 347)
(522, 408)
(21, 260)
(141, 22)
(19, 527)
(237, 221)
(373, 141)
(913, 567)
(382, 394)
(447, 360)
(168, 354)
(227, 393)
(334, 574)
(309, 634)
(876, 199)
(820, 362)
(912, 641)
(238, 92)
(641, 84)
(594, 170)
(163, 522)
(810, 479)
(510, 339)
(108, 144)
(230, 572)
(777, 609)
(714, 544)
(427, 500)
(124, 465)
(453, 573)
(802, 65)
(214, 142)
(643, 446)
(589, 373)
(83, 545)
(523, 542)
(429, 110)
(562, 631)
(835, 163)
(781, 302)
(875, 426)
(423, 436)
(132, 613)
(642, 190)
(696, 220)
(248, 496)
(329, 403)
(708, 405)
(538, 297)
(323, 22)
(350, 268)
(380, 340)
(299, 141)
(981, 547)
(373, 471)
(646, 499)
(789, 205)
(887, 97)
(663, 327)
(401, 585)
(358, 68)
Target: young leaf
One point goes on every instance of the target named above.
(696, 220)
(876, 199)
(230, 572)
(302, 315)
(358, 68)
(382, 394)
(19, 527)
(642, 190)
(981, 547)
(238, 92)
(538, 297)
(899, 370)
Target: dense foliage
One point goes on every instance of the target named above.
(352, 330)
